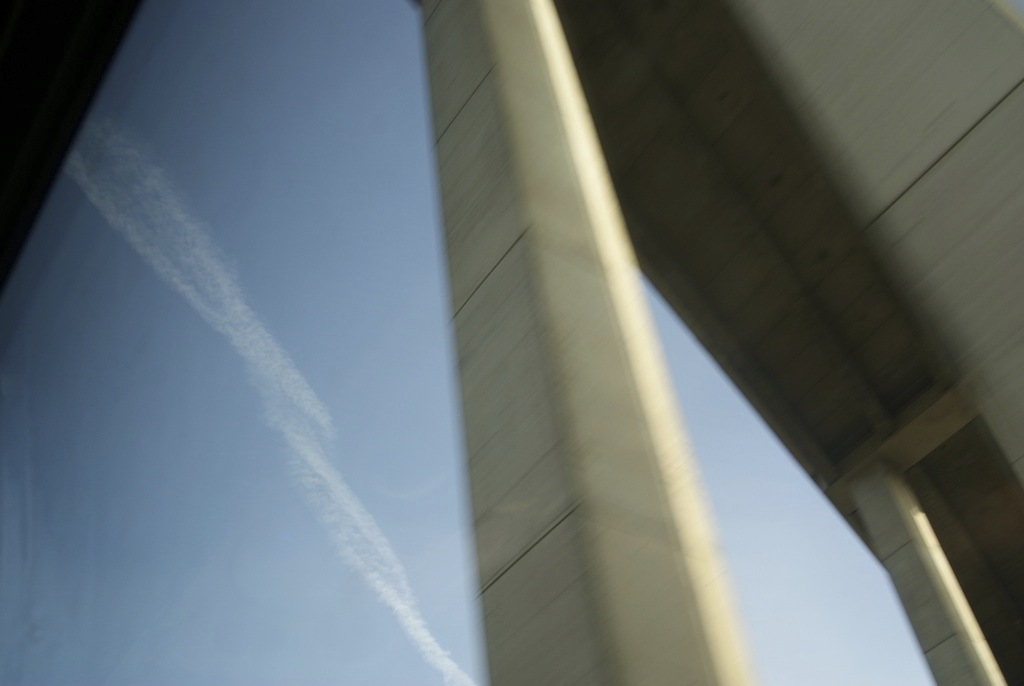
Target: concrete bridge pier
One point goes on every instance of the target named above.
(902, 538)
(596, 559)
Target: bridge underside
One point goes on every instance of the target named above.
(748, 228)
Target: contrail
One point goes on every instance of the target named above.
(139, 202)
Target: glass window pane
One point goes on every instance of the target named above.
(230, 445)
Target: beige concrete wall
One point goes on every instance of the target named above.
(919, 104)
(596, 560)
(888, 85)
(957, 237)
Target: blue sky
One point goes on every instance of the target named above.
(158, 526)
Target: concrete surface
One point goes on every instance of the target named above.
(902, 538)
(597, 562)
(828, 194)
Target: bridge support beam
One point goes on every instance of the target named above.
(903, 540)
(595, 555)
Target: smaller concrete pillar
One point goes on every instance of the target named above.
(902, 538)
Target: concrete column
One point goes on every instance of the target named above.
(903, 540)
(596, 561)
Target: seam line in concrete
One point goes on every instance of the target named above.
(894, 551)
(463, 106)
(945, 153)
(946, 639)
(432, 12)
(489, 272)
(512, 563)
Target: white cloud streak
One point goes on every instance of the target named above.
(137, 199)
